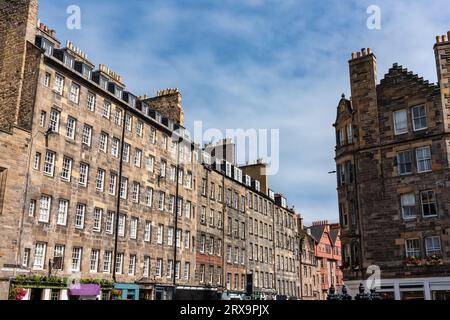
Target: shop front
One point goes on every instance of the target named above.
(84, 292)
(127, 291)
(233, 295)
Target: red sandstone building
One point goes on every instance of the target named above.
(328, 254)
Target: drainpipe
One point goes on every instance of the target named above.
(116, 229)
(301, 265)
(179, 139)
(274, 250)
(224, 251)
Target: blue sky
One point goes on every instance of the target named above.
(257, 64)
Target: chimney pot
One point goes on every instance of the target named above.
(448, 35)
(369, 51)
(358, 54)
(363, 51)
(353, 55)
(444, 38)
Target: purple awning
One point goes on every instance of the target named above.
(85, 290)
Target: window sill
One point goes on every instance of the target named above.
(428, 171)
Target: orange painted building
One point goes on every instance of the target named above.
(328, 254)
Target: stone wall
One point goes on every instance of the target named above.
(18, 20)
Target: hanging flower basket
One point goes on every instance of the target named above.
(116, 294)
(17, 294)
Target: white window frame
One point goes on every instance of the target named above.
(107, 258)
(106, 110)
(160, 234)
(435, 248)
(161, 200)
(59, 84)
(128, 122)
(80, 215)
(146, 267)
(149, 197)
(84, 174)
(94, 260)
(97, 220)
(405, 202)
(424, 116)
(77, 254)
(100, 180)
(137, 158)
(136, 192)
(148, 231)
(39, 255)
(103, 143)
(63, 208)
(159, 267)
(71, 128)
(54, 120)
(410, 251)
(123, 188)
(170, 232)
(122, 224)
(119, 263)
(132, 265)
(401, 130)
(134, 228)
(66, 170)
(86, 138)
(424, 159)
(45, 205)
(115, 146)
(74, 94)
(109, 226)
(90, 102)
(112, 184)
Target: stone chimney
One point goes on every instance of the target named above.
(363, 83)
(168, 103)
(442, 54)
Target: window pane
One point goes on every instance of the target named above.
(400, 122)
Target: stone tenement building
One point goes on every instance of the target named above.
(99, 183)
(309, 271)
(392, 156)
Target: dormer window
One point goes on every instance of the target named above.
(133, 102)
(283, 202)
(257, 186)
(238, 174)
(271, 195)
(119, 92)
(206, 158)
(69, 61)
(47, 46)
(248, 180)
(103, 82)
(228, 169)
(87, 72)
